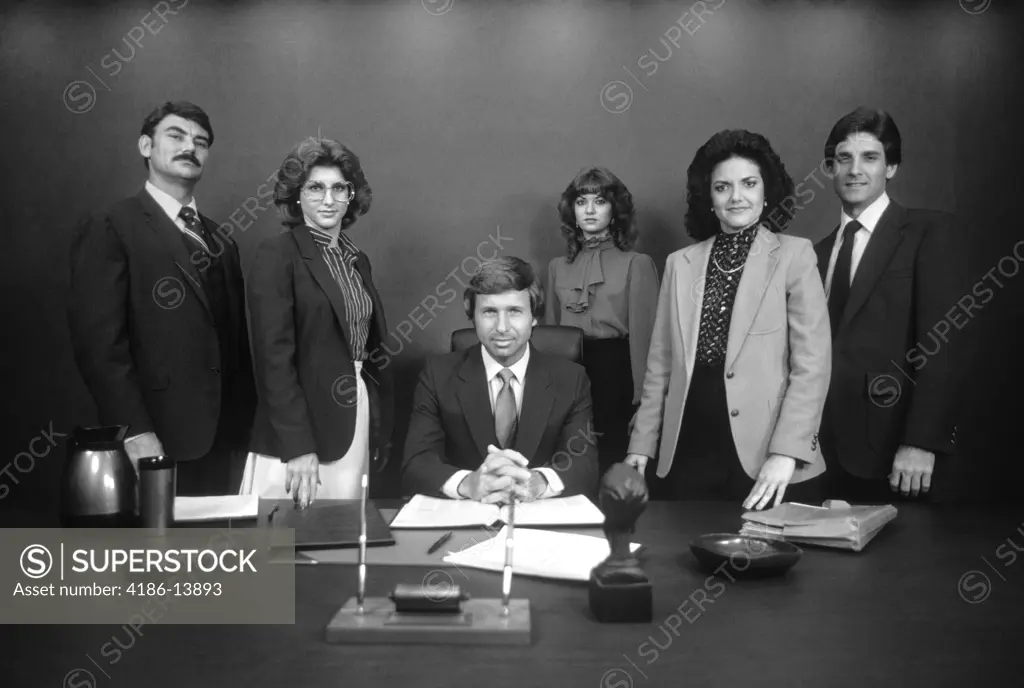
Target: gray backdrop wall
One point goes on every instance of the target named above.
(470, 118)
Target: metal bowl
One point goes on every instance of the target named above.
(744, 556)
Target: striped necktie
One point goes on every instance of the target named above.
(195, 230)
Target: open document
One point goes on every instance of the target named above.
(431, 512)
(543, 553)
(837, 524)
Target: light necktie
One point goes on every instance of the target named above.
(505, 416)
(840, 289)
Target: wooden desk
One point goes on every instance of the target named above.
(890, 616)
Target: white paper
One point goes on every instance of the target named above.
(542, 553)
(432, 512)
(216, 508)
(559, 511)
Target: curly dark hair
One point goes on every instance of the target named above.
(294, 171)
(599, 181)
(701, 222)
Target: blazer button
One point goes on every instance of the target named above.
(734, 413)
(216, 371)
(730, 374)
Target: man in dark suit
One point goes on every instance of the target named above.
(501, 421)
(895, 279)
(157, 313)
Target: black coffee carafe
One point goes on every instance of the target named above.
(99, 487)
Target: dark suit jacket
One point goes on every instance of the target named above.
(143, 334)
(452, 422)
(304, 370)
(895, 376)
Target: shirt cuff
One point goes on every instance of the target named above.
(555, 484)
(451, 487)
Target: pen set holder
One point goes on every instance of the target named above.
(428, 613)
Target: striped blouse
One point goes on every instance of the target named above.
(341, 260)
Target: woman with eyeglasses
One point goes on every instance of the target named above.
(325, 407)
(608, 290)
(741, 356)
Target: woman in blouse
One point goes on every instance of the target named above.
(609, 291)
(315, 313)
(740, 358)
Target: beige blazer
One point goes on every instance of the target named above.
(778, 357)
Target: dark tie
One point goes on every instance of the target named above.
(840, 290)
(505, 416)
(196, 234)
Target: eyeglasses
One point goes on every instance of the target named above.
(342, 191)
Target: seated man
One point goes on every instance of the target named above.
(501, 421)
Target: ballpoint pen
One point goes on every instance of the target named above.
(440, 541)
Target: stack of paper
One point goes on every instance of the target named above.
(216, 508)
(837, 524)
(543, 553)
(431, 512)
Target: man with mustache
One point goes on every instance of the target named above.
(501, 421)
(895, 279)
(157, 314)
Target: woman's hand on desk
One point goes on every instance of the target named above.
(302, 479)
(773, 480)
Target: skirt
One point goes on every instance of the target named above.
(706, 465)
(608, 366)
(339, 479)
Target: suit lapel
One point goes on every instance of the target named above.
(690, 299)
(476, 402)
(824, 250)
(885, 238)
(170, 235)
(757, 272)
(318, 267)
(537, 402)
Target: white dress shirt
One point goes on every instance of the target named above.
(868, 220)
(494, 383)
(170, 204)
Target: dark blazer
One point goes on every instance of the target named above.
(143, 334)
(894, 374)
(452, 422)
(304, 370)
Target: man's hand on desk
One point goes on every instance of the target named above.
(529, 485)
(500, 472)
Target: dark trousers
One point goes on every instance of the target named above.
(706, 466)
(611, 392)
(219, 471)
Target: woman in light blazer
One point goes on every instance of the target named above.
(741, 355)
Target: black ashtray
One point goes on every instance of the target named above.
(743, 556)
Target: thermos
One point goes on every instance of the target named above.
(98, 487)
(157, 485)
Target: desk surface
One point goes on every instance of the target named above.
(893, 615)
